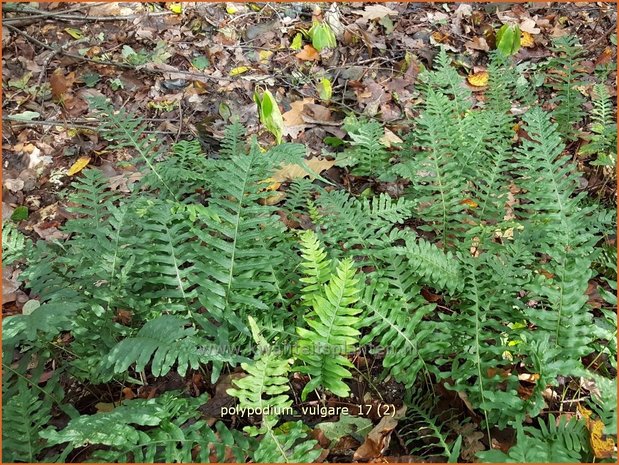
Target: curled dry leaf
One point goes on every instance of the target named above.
(308, 53)
(377, 441)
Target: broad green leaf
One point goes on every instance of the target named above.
(20, 213)
(270, 115)
(322, 36)
(508, 39)
(200, 62)
(297, 42)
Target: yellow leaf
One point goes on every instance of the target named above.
(602, 448)
(176, 8)
(264, 55)
(238, 70)
(79, 165)
(105, 407)
(231, 8)
(73, 32)
(469, 203)
(478, 79)
(527, 40)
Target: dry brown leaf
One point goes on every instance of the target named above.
(308, 53)
(291, 171)
(60, 83)
(373, 12)
(478, 43)
(605, 57)
(478, 79)
(528, 25)
(377, 441)
(602, 448)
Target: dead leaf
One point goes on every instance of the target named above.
(478, 79)
(105, 407)
(602, 448)
(9, 285)
(49, 234)
(528, 25)
(292, 171)
(478, 43)
(469, 203)
(78, 166)
(390, 138)
(605, 57)
(61, 84)
(308, 53)
(371, 12)
(123, 316)
(377, 441)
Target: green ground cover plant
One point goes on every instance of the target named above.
(492, 225)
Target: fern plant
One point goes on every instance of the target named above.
(165, 429)
(603, 140)
(564, 441)
(14, 244)
(333, 326)
(477, 276)
(567, 75)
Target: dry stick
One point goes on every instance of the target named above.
(602, 37)
(65, 17)
(8, 119)
(59, 50)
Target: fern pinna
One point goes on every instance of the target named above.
(477, 278)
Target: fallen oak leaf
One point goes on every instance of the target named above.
(373, 12)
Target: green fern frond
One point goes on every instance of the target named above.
(15, 245)
(368, 155)
(432, 265)
(333, 322)
(603, 140)
(423, 432)
(399, 328)
(164, 429)
(565, 442)
(127, 131)
(233, 143)
(164, 341)
(359, 227)
(24, 414)
(566, 76)
(287, 444)
(557, 221)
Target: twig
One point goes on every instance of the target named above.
(65, 17)
(59, 50)
(602, 37)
